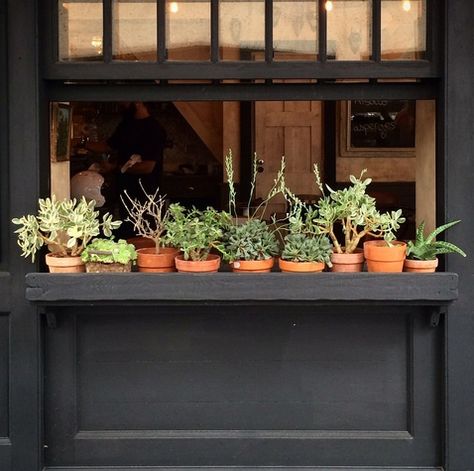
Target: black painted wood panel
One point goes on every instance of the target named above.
(5, 292)
(229, 385)
(436, 288)
(4, 375)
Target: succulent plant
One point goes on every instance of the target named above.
(194, 231)
(66, 227)
(427, 248)
(109, 251)
(357, 214)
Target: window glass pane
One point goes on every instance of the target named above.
(403, 29)
(188, 30)
(80, 30)
(242, 29)
(295, 30)
(349, 29)
(134, 30)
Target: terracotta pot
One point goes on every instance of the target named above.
(300, 267)
(211, 265)
(420, 266)
(98, 267)
(382, 258)
(141, 242)
(347, 262)
(253, 266)
(150, 261)
(57, 264)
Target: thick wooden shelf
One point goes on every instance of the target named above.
(322, 288)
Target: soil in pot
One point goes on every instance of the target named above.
(347, 262)
(97, 267)
(300, 267)
(150, 261)
(253, 266)
(57, 264)
(211, 265)
(382, 258)
(420, 266)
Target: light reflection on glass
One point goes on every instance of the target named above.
(80, 30)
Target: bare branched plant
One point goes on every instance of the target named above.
(149, 216)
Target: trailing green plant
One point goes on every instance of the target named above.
(194, 231)
(251, 239)
(66, 227)
(109, 251)
(149, 216)
(304, 243)
(427, 248)
(356, 212)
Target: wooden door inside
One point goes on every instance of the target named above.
(291, 129)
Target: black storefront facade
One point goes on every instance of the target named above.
(124, 372)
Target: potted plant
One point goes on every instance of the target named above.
(196, 233)
(355, 211)
(107, 255)
(422, 252)
(305, 249)
(149, 219)
(66, 227)
(250, 245)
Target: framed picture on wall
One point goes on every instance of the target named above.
(61, 127)
(377, 128)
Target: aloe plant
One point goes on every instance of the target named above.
(427, 248)
(66, 227)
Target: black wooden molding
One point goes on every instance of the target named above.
(235, 468)
(5, 290)
(140, 288)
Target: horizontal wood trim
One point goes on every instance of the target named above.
(138, 288)
(5, 292)
(236, 468)
(249, 92)
(240, 70)
(243, 434)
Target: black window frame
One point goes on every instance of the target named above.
(161, 69)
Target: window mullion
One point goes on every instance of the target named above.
(376, 30)
(107, 31)
(268, 30)
(323, 31)
(161, 30)
(214, 30)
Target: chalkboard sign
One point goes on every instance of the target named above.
(382, 123)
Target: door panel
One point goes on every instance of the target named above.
(291, 129)
(208, 386)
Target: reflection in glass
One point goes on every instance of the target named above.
(295, 30)
(80, 30)
(188, 30)
(403, 29)
(349, 30)
(242, 29)
(134, 30)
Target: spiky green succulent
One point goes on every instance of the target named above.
(427, 248)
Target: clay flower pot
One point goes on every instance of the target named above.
(150, 261)
(347, 262)
(211, 265)
(57, 264)
(420, 266)
(382, 258)
(300, 267)
(253, 266)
